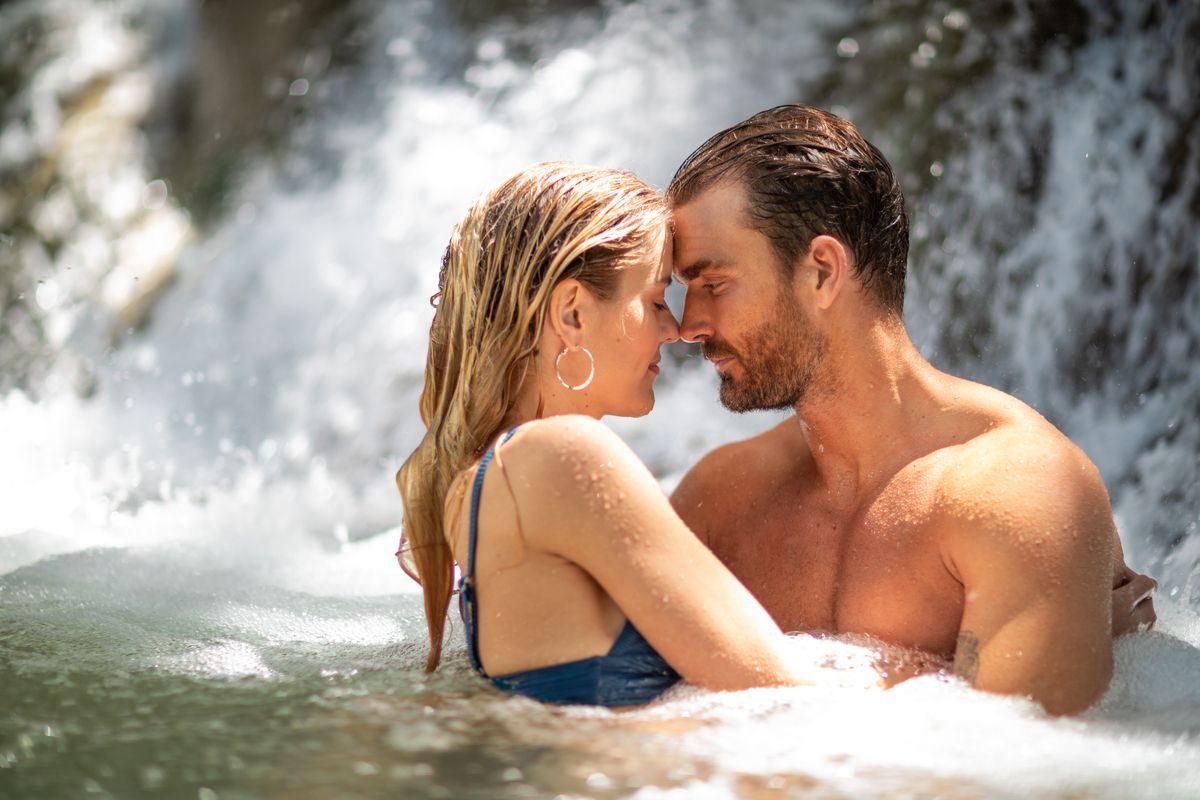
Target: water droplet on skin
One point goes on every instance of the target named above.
(598, 780)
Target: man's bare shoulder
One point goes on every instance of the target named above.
(737, 475)
(1017, 449)
(1019, 476)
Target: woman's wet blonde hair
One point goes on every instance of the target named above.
(547, 223)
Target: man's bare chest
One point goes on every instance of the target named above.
(876, 569)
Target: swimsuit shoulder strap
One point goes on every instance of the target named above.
(467, 584)
(476, 491)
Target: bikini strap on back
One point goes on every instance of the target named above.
(476, 491)
(466, 585)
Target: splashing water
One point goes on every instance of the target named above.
(195, 574)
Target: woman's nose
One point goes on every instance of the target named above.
(670, 329)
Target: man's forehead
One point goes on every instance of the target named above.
(707, 226)
(726, 199)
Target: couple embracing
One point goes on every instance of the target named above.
(898, 501)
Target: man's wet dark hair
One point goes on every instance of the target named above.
(807, 172)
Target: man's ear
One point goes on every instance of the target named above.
(830, 262)
(566, 302)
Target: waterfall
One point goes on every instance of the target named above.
(215, 319)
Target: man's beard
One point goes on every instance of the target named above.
(779, 361)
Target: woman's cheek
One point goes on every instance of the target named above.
(635, 317)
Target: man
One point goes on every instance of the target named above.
(899, 501)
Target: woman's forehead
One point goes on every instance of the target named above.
(655, 264)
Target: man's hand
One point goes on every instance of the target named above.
(1133, 603)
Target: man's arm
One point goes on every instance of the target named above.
(1029, 534)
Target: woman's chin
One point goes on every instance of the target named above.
(638, 405)
(646, 406)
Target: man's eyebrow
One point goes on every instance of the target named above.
(690, 272)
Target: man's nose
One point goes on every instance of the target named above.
(695, 326)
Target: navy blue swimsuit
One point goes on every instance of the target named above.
(630, 674)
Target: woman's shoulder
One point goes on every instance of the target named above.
(575, 482)
(565, 438)
(565, 456)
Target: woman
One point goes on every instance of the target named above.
(580, 583)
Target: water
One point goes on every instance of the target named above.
(197, 592)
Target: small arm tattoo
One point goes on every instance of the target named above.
(966, 656)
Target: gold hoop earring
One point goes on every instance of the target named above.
(591, 372)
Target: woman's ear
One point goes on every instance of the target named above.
(830, 263)
(566, 301)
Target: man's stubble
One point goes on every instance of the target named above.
(779, 359)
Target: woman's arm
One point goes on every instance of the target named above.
(581, 493)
